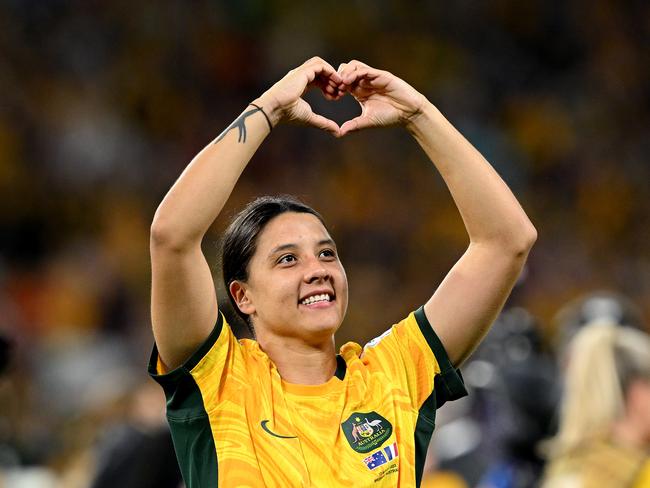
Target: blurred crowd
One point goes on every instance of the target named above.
(102, 104)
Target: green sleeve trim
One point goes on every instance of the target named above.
(341, 367)
(195, 451)
(422, 436)
(188, 420)
(448, 385)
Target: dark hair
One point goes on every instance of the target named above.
(240, 239)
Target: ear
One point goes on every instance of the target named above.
(242, 297)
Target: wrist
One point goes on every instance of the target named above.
(270, 107)
(422, 118)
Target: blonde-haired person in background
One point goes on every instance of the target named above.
(604, 432)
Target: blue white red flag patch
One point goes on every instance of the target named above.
(391, 451)
(382, 456)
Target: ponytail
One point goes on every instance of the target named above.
(603, 360)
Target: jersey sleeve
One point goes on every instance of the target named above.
(208, 367)
(193, 390)
(411, 354)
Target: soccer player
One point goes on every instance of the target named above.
(285, 409)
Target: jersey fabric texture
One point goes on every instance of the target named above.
(236, 423)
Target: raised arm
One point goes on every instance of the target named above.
(183, 298)
(472, 294)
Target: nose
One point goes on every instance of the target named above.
(317, 272)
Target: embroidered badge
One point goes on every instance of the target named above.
(366, 431)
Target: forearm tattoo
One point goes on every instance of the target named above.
(240, 124)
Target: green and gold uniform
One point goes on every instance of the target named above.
(236, 423)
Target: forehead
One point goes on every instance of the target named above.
(291, 228)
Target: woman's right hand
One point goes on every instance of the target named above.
(283, 102)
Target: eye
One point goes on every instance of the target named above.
(327, 253)
(287, 259)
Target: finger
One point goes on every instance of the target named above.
(333, 83)
(317, 60)
(355, 124)
(317, 66)
(333, 97)
(324, 81)
(342, 86)
(324, 124)
(333, 93)
(346, 68)
(333, 87)
(330, 90)
(358, 64)
(351, 77)
(342, 68)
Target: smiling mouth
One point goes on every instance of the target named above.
(320, 298)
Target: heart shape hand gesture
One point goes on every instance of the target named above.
(384, 98)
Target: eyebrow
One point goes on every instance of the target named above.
(290, 245)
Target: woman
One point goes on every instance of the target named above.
(604, 433)
(286, 409)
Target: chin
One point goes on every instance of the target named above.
(322, 327)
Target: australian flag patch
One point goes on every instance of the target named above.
(382, 456)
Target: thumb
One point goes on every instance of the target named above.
(324, 123)
(358, 123)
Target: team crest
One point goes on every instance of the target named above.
(366, 431)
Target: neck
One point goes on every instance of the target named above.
(301, 363)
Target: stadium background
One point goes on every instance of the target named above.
(102, 104)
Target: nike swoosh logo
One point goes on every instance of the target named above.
(264, 422)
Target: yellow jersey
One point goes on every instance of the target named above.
(236, 423)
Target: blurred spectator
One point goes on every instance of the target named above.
(604, 432)
(138, 451)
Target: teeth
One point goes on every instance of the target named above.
(324, 297)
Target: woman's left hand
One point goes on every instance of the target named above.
(385, 99)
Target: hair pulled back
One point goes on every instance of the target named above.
(240, 238)
(604, 359)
